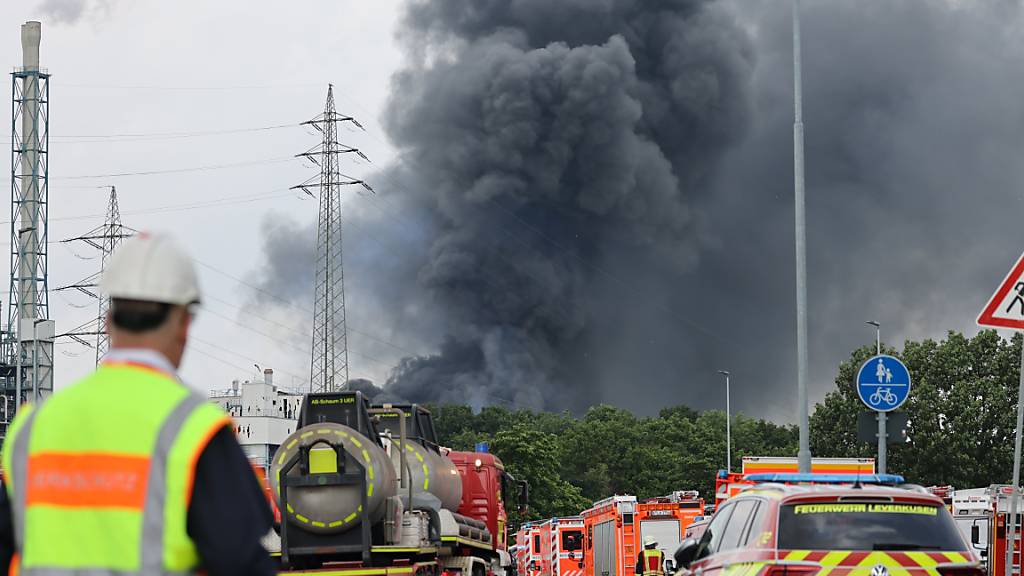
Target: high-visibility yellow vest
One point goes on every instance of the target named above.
(653, 562)
(100, 475)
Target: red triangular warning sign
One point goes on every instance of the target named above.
(1006, 307)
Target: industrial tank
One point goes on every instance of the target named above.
(430, 472)
(333, 509)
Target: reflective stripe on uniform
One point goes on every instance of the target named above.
(19, 472)
(653, 561)
(152, 557)
(102, 481)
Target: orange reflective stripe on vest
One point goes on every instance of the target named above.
(87, 480)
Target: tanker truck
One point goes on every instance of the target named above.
(368, 491)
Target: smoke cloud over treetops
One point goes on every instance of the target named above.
(555, 139)
(596, 196)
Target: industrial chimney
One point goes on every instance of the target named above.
(32, 351)
(268, 376)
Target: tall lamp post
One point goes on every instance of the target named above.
(804, 455)
(882, 433)
(728, 425)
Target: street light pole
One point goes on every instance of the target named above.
(804, 455)
(728, 425)
(882, 416)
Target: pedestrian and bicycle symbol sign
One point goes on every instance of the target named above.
(1006, 307)
(883, 383)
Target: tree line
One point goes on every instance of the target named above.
(961, 410)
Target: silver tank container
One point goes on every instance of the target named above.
(430, 472)
(334, 509)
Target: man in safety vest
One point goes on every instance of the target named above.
(129, 471)
(651, 561)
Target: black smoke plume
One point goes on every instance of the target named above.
(557, 141)
(595, 197)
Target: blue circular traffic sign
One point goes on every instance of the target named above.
(883, 383)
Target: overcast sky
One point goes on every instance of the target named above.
(158, 67)
(913, 136)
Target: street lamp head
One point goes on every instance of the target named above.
(723, 372)
(874, 323)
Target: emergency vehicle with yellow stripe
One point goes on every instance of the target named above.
(729, 484)
(839, 526)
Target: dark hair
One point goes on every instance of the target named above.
(138, 315)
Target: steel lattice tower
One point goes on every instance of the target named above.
(29, 346)
(113, 234)
(104, 238)
(329, 366)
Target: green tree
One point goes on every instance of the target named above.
(961, 411)
(531, 454)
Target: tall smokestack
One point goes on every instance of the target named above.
(28, 233)
(29, 312)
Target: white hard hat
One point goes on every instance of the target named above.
(151, 268)
(650, 541)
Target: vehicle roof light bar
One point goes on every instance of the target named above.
(780, 478)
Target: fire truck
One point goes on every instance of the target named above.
(981, 514)
(528, 549)
(561, 547)
(728, 485)
(616, 527)
(944, 492)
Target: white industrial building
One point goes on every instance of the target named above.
(264, 414)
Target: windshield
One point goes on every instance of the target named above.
(867, 526)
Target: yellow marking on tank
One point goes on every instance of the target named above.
(356, 442)
(318, 524)
(360, 508)
(339, 433)
(366, 456)
(290, 509)
(369, 471)
(306, 434)
(335, 524)
(369, 490)
(350, 517)
(292, 444)
(426, 477)
(302, 518)
(419, 457)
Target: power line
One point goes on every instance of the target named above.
(179, 170)
(228, 201)
(142, 136)
(178, 87)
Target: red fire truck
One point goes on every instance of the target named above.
(561, 547)
(982, 515)
(617, 526)
(527, 557)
